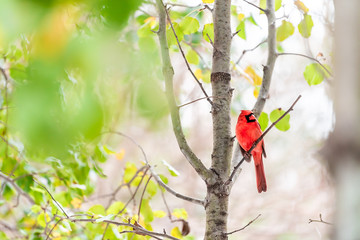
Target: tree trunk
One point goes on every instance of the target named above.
(343, 147)
(217, 198)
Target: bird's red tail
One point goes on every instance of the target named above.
(260, 173)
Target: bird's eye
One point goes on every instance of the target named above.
(248, 118)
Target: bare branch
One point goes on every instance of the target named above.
(56, 202)
(240, 229)
(254, 5)
(168, 73)
(271, 59)
(186, 61)
(210, 40)
(142, 195)
(156, 176)
(258, 140)
(58, 221)
(137, 229)
(17, 188)
(320, 220)
(249, 50)
(233, 35)
(308, 57)
(185, 104)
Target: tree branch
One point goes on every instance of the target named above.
(271, 59)
(308, 57)
(249, 50)
(56, 202)
(320, 220)
(254, 5)
(17, 188)
(168, 73)
(156, 176)
(240, 229)
(186, 61)
(228, 182)
(137, 229)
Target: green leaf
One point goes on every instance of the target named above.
(305, 26)
(263, 5)
(242, 32)
(263, 120)
(170, 34)
(283, 124)
(180, 213)
(314, 74)
(107, 150)
(164, 179)
(129, 171)
(285, 30)
(146, 211)
(115, 208)
(252, 20)
(18, 73)
(189, 25)
(152, 188)
(36, 208)
(97, 209)
(192, 57)
(208, 32)
(171, 169)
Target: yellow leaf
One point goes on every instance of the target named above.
(120, 155)
(256, 92)
(255, 79)
(241, 16)
(301, 6)
(151, 21)
(180, 213)
(159, 214)
(208, 1)
(175, 232)
(198, 73)
(56, 236)
(54, 33)
(76, 202)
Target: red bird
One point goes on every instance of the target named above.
(247, 132)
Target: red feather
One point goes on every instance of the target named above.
(247, 132)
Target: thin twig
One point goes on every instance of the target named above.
(240, 229)
(56, 202)
(210, 40)
(156, 176)
(254, 5)
(233, 35)
(308, 57)
(259, 140)
(183, 105)
(249, 50)
(186, 61)
(58, 221)
(320, 220)
(137, 228)
(142, 196)
(17, 188)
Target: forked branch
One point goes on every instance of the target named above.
(168, 73)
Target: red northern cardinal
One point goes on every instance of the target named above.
(247, 132)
